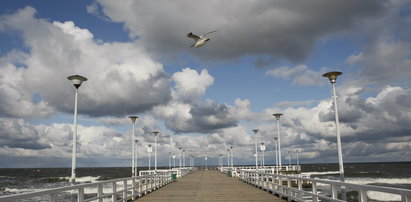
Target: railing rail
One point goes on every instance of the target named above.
(291, 187)
(121, 189)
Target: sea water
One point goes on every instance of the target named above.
(393, 174)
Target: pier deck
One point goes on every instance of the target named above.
(209, 186)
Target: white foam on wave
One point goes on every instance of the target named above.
(364, 181)
(84, 179)
(16, 191)
(320, 173)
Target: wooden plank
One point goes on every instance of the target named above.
(209, 186)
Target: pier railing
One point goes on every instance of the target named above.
(234, 171)
(179, 172)
(121, 189)
(297, 188)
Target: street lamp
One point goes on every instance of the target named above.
(206, 162)
(332, 76)
(256, 152)
(262, 148)
(228, 157)
(298, 163)
(169, 160)
(136, 156)
(277, 116)
(276, 155)
(133, 121)
(184, 158)
(289, 159)
(174, 159)
(155, 133)
(76, 80)
(149, 150)
(179, 154)
(232, 157)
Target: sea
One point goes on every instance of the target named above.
(390, 174)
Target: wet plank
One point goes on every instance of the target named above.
(209, 186)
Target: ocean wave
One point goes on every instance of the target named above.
(321, 173)
(85, 179)
(364, 181)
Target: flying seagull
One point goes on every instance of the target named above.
(199, 40)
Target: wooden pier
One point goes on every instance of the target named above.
(209, 185)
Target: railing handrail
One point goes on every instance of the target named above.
(362, 189)
(162, 175)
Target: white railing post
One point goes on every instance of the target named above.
(363, 195)
(300, 188)
(100, 192)
(114, 194)
(80, 195)
(289, 188)
(314, 187)
(334, 191)
(405, 198)
(133, 191)
(124, 190)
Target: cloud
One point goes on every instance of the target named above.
(16, 133)
(190, 85)
(279, 29)
(300, 75)
(122, 78)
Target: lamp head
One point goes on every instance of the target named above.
(275, 138)
(77, 80)
(133, 118)
(255, 131)
(155, 133)
(277, 115)
(332, 76)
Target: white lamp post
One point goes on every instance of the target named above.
(332, 76)
(289, 159)
(228, 157)
(155, 133)
(135, 167)
(298, 163)
(76, 80)
(232, 157)
(206, 162)
(256, 152)
(169, 160)
(174, 159)
(184, 158)
(179, 158)
(133, 121)
(276, 155)
(262, 148)
(277, 116)
(149, 150)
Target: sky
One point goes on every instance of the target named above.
(266, 57)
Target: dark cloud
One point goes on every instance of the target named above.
(276, 29)
(16, 133)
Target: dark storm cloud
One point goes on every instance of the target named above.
(276, 29)
(204, 118)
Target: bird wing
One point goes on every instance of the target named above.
(193, 36)
(210, 32)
